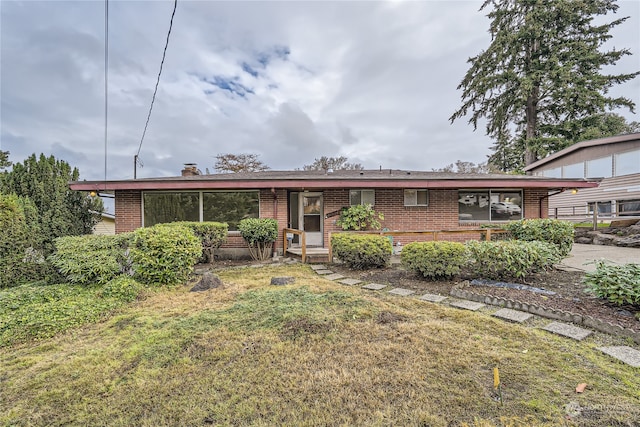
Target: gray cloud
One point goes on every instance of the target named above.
(290, 81)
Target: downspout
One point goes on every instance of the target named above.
(275, 214)
(562, 190)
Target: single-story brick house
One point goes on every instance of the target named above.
(312, 200)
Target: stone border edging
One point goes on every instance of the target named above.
(549, 313)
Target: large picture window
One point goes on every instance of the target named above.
(230, 207)
(223, 206)
(489, 205)
(170, 207)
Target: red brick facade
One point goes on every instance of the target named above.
(440, 214)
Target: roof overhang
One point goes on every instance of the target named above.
(319, 184)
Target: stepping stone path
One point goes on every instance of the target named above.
(350, 282)
(402, 292)
(432, 298)
(567, 330)
(625, 354)
(512, 315)
(467, 305)
(374, 286)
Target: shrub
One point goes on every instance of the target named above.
(361, 251)
(359, 217)
(164, 254)
(434, 259)
(211, 234)
(91, 258)
(21, 258)
(259, 233)
(122, 288)
(511, 259)
(620, 284)
(553, 231)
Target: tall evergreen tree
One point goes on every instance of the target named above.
(61, 211)
(542, 74)
(4, 160)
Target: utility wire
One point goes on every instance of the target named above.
(175, 4)
(106, 82)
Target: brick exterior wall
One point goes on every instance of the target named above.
(128, 207)
(440, 214)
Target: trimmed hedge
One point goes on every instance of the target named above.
(361, 251)
(211, 234)
(91, 258)
(511, 259)
(619, 284)
(164, 255)
(434, 260)
(560, 233)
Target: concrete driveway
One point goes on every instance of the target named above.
(582, 256)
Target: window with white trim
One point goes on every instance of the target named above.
(416, 197)
(362, 197)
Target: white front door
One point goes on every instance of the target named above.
(310, 219)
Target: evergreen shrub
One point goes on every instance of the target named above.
(511, 259)
(361, 251)
(211, 234)
(21, 256)
(560, 233)
(619, 284)
(164, 254)
(92, 258)
(259, 233)
(434, 260)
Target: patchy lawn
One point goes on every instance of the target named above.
(311, 353)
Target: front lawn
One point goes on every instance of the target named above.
(311, 353)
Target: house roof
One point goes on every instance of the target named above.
(308, 180)
(582, 145)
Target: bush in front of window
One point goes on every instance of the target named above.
(211, 234)
(361, 251)
(92, 258)
(359, 217)
(560, 233)
(511, 259)
(259, 233)
(164, 254)
(434, 260)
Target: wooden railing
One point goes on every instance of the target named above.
(435, 234)
(582, 214)
(303, 241)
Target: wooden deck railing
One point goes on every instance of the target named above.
(435, 234)
(303, 241)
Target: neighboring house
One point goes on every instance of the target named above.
(106, 225)
(312, 200)
(615, 159)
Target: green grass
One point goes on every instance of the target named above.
(35, 312)
(311, 353)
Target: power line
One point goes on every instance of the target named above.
(175, 4)
(106, 82)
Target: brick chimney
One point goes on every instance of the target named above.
(190, 169)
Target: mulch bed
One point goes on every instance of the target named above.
(570, 292)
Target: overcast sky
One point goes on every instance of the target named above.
(289, 81)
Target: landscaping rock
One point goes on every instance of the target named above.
(280, 281)
(208, 281)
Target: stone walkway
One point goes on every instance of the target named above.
(625, 354)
